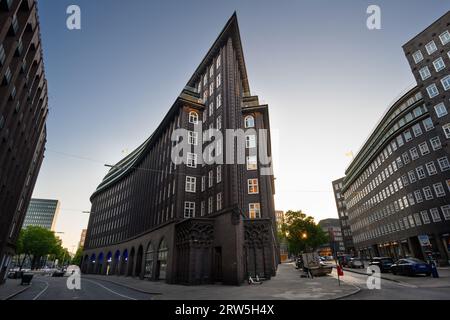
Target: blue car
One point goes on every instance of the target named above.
(411, 267)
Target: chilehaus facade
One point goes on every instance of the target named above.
(23, 114)
(182, 208)
(397, 189)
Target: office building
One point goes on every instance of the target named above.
(343, 216)
(42, 213)
(23, 113)
(335, 246)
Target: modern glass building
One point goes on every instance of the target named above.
(42, 213)
(23, 113)
(397, 189)
(200, 220)
(343, 216)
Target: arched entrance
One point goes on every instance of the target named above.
(149, 256)
(108, 263)
(161, 263)
(116, 263)
(131, 263)
(138, 269)
(91, 267)
(99, 265)
(123, 263)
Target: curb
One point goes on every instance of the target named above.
(17, 293)
(348, 294)
(406, 284)
(124, 285)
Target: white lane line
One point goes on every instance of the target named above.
(45, 289)
(112, 291)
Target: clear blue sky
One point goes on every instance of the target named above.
(326, 77)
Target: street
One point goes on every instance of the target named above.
(48, 288)
(414, 288)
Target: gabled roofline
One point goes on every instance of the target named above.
(231, 29)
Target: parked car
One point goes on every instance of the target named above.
(411, 267)
(384, 263)
(355, 263)
(58, 273)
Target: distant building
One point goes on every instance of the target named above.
(343, 216)
(82, 238)
(279, 217)
(42, 213)
(336, 245)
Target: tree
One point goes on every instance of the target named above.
(302, 233)
(37, 242)
(78, 256)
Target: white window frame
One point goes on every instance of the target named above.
(219, 174)
(219, 201)
(446, 212)
(218, 100)
(427, 193)
(417, 56)
(435, 216)
(253, 186)
(254, 210)
(250, 141)
(193, 117)
(191, 184)
(440, 109)
(210, 178)
(446, 129)
(439, 64)
(423, 147)
(431, 168)
(445, 81)
(436, 143)
(432, 90)
(439, 190)
(192, 138)
(425, 217)
(191, 160)
(431, 47)
(444, 164)
(189, 209)
(425, 73)
(444, 37)
(249, 121)
(252, 163)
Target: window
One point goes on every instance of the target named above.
(417, 219)
(414, 153)
(405, 157)
(438, 64)
(189, 209)
(219, 173)
(446, 212)
(190, 184)
(444, 37)
(430, 47)
(210, 205)
(205, 80)
(417, 56)
(193, 117)
(407, 135)
(439, 190)
(435, 143)
(203, 183)
(431, 168)
(444, 163)
(210, 178)
(219, 201)
(418, 196)
(191, 160)
(249, 122)
(446, 128)
(211, 108)
(446, 82)
(440, 110)
(423, 147)
(425, 217)
(8, 75)
(435, 215)
(432, 90)
(2, 55)
(219, 101)
(428, 124)
(252, 163)
(254, 211)
(250, 141)
(211, 71)
(218, 80)
(427, 193)
(211, 89)
(424, 73)
(253, 186)
(192, 137)
(400, 141)
(420, 172)
(417, 130)
(202, 208)
(218, 62)
(219, 122)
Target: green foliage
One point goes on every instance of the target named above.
(302, 233)
(38, 242)
(78, 256)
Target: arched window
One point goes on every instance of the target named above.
(148, 273)
(193, 117)
(162, 260)
(249, 122)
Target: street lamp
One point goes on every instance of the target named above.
(304, 235)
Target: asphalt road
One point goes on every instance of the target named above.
(391, 290)
(48, 288)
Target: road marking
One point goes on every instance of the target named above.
(112, 291)
(45, 289)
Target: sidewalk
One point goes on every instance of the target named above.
(419, 281)
(287, 285)
(11, 288)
